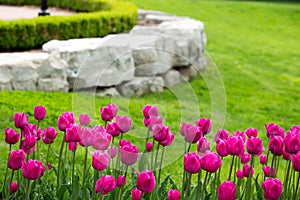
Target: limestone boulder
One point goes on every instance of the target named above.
(172, 78)
(140, 86)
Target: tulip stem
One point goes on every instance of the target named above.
(110, 162)
(6, 173)
(160, 164)
(152, 152)
(147, 137)
(27, 190)
(198, 183)
(155, 163)
(204, 185)
(59, 162)
(297, 186)
(95, 180)
(231, 166)
(73, 166)
(183, 182)
(47, 162)
(84, 167)
(120, 189)
(37, 142)
(21, 139)
(277, 166)
(248, 184)
(188, 186)
(286, 181)
(272, 166)
(189, 147)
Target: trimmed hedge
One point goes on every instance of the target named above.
(103, 17)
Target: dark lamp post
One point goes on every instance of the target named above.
(44, 7)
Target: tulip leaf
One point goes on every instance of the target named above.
(62, 190)
(259, 191)
(173, 185)
(162, 191)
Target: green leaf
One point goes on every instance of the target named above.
(259, 191)
(162, 191)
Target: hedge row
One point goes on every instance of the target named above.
(114, 17)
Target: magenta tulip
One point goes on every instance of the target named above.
(108, 112)
(286, 156)
(15, 159)
(11, 136)
(184, 128)
(296, 162)
(204, 124)
(274, 130)
(113, 152)
(276, 145)
(150, 122)
(227, 191)
(150, 111)
(192, 134)
(221, 134)
(101, 139)
(113, 129)
(173, 195)
(29, 141)
(72, 133)
(149, 146)
(146, 181)
(87, 137)
(254, 145)
(66, 120)
(251, 132)
(221, 147)
(39, 113)
(245, 158)
(239, 174)
(272, 188)
(203, 145)
(248, 170)
(263, 159)
(29, 129)
(292, 143)
(136, 194)
(123, 123)
(168, 140)
(32, 169)
(48, 135)
(160, 132)
(267, 171)
(73, 146)
(192, 163)
(240, 134)
(13, 187)
(105, 184)
(121, 181)
(210, 162)
(20, 120)
(84, 119)
(129, 153)
(235, 145)
(26, 149)
(100, 160)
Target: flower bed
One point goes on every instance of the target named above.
(100, 19)
(28, 174)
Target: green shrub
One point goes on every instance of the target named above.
(97, 18)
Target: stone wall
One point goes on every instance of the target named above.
(162, 51)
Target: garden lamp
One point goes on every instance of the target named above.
(44, 7)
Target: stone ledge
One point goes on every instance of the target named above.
(163, 51)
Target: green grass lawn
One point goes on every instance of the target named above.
(256, 49)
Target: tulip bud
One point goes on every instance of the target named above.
(72, 133)
(113, 129)
(146, 181)
(21, 120)
(149, 111)
(72, 146)
(128, 152)
(296, 162)
(168, 140)
(39, 113)
(100, 160)
(32, 169)
(254, 145)
(66, 120)
(222, 147)
(263, 159)
(251, 132)
(13, 187)
(239, 174)
(84, 119)
(87, 137)
(173, 195)
(227, 191)
(272, 188)
(15, 159)
(121, 181)
(192, 163)
(11, 136)
(192, 134)
(247, 171)
(210, 162)
(203, 145)
(114, 152)
(267, 171)
(274, 130)
(149, 146)
(204, 124)
(276, 145)
(105, 184)
(136, 194)
(245, 158)
(123, 123)
(235, 145)
(221, 134)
